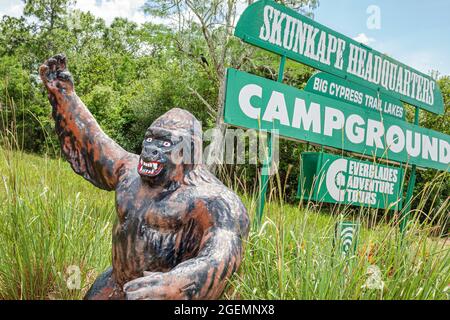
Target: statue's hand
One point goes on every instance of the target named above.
(155, 286)
(145, 287)
(55, 76)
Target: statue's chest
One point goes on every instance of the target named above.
(137, 203)
(154, 230)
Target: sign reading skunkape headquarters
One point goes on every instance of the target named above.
(279, 29)
(355, 105)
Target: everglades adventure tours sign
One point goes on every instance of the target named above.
(334, 179)
(258, 103)
(281, 30)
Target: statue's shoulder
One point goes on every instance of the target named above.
(211, 189)
(223, 204)
(229, 211)
(129, 178)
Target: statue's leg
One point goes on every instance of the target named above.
(104, 288)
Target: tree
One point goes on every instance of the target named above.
(50, 13)
(439, 123)
(14, 32)
(49, 25)
(214, 21)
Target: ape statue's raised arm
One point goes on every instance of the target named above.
(180, 231)
(90, 152)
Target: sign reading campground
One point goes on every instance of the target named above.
(279, 29)
(257, 103)
(330, 86)
(336, 179)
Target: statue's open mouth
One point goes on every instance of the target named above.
(151, 169)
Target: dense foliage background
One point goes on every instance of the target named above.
(128, 74)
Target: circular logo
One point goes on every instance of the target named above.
(335, 179)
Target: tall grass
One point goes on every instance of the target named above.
(292, 256)
(53, 223)
(55, 229)
(50, 220)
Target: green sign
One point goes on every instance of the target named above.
(279, 29)
(330, 86)
(257, 103)
(346, 236)
(335, 179)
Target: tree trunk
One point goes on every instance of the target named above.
(221, 126)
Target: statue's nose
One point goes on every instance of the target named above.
(150, 153)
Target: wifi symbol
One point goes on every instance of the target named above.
(347, 235)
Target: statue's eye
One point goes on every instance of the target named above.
(148, 140)
(167, 143)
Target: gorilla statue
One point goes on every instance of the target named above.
(179, 231)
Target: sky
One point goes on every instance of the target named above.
(415, 32)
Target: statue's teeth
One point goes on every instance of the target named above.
(149, 167)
